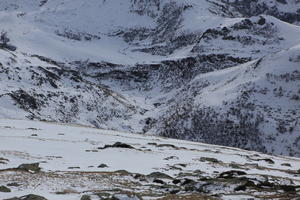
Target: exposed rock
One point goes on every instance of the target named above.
(33, 167)
(4, 189)
(4, 40)
(286, 164)
(117, 145)
(73, 167)
(14, 184)
(126, 196)
(28, 197)
(213, 160)
(85, 197)
(231, 174)
(159, 175)
(32, 197)
(103, 166)
(244, 186)
(3, 160)
(158, 181)
(73, 88)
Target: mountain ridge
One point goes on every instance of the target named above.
(144, 66)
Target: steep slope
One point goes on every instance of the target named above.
(140, 66)
(75, 161)
(253, 106)
(36, 87)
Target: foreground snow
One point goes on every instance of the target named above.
(69, 156)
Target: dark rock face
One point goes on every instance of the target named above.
(168, 19)
(146, 7)
(25, 100)
(211, 127)
(4, 42)
(249, 8)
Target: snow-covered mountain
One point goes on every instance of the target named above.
(216, 71)
(40, 160)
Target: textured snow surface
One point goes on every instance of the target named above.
(69, 153)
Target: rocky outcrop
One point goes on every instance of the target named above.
(249, 8)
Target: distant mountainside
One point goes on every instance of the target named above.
(224, 72)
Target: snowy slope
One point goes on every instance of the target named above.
(154, 67)
(35, 25)
(253, 106)
(150, 168)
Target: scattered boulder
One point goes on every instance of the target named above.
(73, 167)
(176, 181)
(244, 186)
(167, 145)
(33, 167)
(32, 197)
(182, 165)
(85, 197)
(103, 195)
(152, 143)
(261, 20)
(28, 197)
(231, 174)
(188, 182)
(66, 191)
(213, 160)
(159, 181)
(265, 184)
(174, 191)
(286, 164)
(34, 129)
(190, 188)
(171, 158)
(4, 189)
(234, 165)
(117, 145)
(123, 173)
(159, 175)
(13, 184)
(3, 161)
(103, 166)
(123, 196)
(268, 160)
(288, 188)
(137, 176)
